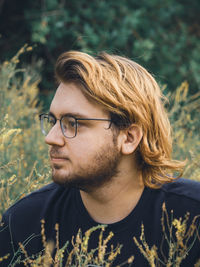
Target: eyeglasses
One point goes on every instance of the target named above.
(69, 124)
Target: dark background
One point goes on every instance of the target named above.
(163, 36)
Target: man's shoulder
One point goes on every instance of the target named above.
(41, 193)
(183, 188)
(36, 200)
(43, 190)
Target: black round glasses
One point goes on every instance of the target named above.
(69, 124)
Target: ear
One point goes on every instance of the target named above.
(130, 139)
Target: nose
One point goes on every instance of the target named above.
(55, 136)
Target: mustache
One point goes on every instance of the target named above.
(56, 153)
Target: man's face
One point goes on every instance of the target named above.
(90, 159)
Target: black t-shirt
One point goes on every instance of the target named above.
(55, 204)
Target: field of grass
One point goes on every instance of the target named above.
(24, 155)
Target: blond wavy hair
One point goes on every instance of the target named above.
(131, 95)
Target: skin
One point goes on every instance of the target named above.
(99, 162)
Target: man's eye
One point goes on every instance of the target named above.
(68, 123)
(72, 123)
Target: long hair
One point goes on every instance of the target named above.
(131, 95)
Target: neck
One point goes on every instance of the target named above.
(114, 201)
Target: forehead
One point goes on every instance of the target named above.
(69, 98)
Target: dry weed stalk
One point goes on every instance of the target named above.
(149, 253)
(197, 264)
(4, 257)
(79, 256)
(95, 257)
(179, 236)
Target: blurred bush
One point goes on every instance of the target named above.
(163, 36)
(23, 153)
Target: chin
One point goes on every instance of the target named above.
(61, 177)
(64, 178)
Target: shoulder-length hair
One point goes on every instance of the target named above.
(131, 95)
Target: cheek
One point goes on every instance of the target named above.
(83, 149)
(86, 148)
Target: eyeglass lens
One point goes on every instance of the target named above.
(68, 125)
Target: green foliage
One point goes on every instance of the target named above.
(161, 35)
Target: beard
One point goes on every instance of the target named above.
(102, 167)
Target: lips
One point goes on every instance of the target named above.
(55, 158)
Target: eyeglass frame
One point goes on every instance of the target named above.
(76, 123)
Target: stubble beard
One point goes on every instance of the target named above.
(102, 168)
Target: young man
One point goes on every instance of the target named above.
(110, 153)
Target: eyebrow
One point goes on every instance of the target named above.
(75, 114)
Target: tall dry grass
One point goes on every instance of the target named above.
(23, 154)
